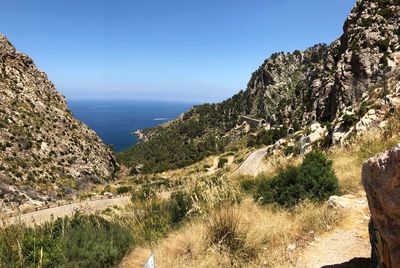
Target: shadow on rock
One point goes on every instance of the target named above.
(354, 263)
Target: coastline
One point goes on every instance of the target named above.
(140, 135)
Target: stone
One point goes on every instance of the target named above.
(347, 202)
(317, 133)
(381, 180)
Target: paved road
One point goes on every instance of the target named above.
(251, 166)
(41, 216)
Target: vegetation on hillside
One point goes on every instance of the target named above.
(102, 240)
(79, 241)
(314, 180)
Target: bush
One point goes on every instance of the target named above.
(222, 162)
(294, 150)
(383, 44)
(80, 241)
(314, 179)
(385, 12)
(224, 230)
(180, 205)
(349, 121)
(154, 222)
(124, 189)
(248, 184)
(145, 193)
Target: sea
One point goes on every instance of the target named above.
(116, 120)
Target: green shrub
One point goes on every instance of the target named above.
(367, 22)
(79, 241)
(314, 179)
(145, 193)
(288, 150)
(154, 222)
(248, 184)
(124, 189)
(180, 205)
(385, 12)
(222, 162)
(267, 137)
(383, 44)
(349, 121)
(363, 109)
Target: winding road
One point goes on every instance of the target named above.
(251, 166)
(41, 216)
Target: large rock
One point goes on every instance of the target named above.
(381, 180)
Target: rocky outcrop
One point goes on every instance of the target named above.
(45, 153)
(381, 180)
(321, 81)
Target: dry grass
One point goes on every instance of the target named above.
(273, 163)
(348, 159)
(247, 235)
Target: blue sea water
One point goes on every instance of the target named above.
(115, 120)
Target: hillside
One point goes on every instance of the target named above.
(290, 91)
(45, 153)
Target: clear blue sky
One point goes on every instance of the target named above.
(195, 50)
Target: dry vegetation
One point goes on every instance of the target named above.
(246, 235)
(251, 235)
(348, 159)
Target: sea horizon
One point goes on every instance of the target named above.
(116, 120)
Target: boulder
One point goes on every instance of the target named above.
(381, 180)
(347, 202)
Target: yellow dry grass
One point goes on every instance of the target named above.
(348, 159)
(267, 233)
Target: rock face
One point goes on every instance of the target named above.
(45, 152)
(317, 83)
(381, 180)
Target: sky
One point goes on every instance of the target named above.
(178, 50)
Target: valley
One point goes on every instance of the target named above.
(288, 172)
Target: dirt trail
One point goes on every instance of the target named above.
(42, 216)
(346, 246)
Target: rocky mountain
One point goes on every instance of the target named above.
(292, 91)
(45, 152)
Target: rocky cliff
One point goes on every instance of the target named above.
(319, 82)
(45, 152)
(293, 91)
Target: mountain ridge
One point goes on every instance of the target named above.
(290, 90)
(45, 153)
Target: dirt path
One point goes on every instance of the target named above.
(251, 166)
(347, 246)
(41, 216)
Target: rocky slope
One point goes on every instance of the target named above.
(45, 152)
(292, 91)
